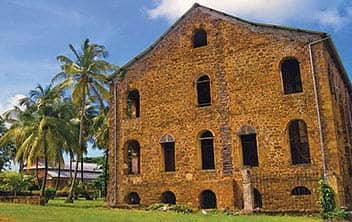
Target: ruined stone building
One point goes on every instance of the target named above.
(220, 110)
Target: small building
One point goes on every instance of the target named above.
(220, 112)
(91, 171)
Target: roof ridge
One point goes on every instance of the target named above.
(197, 5)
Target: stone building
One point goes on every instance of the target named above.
(221, 113)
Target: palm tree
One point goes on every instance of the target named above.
(42, 133)
(87, 76)
(101, 138)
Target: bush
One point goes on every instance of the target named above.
(326, 197)
(167, 207)
(49, 193)
(16, 182)
(181, 209)
(156, 206)
(328, 204)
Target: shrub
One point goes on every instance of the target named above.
(49, 193)
(326, 197)
(328, 204)
(16, 182)
(181, 209)
(167, 207)
(156, 206)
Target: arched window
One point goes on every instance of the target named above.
(257, 199)
(168, 150)
(132, 198)
(133, 105)
(248, 138)
(206, 140)
(203, 91)
(133, 157)
(291, 76)
(300, 190)
(207, 199)
(168, 197)
(199, 38)
(299, 145)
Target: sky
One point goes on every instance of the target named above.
(34, 32)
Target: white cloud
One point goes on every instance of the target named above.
(332, 18)
(333, 13)
(10, 103)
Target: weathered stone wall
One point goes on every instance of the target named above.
(340, 110)
(243, 63)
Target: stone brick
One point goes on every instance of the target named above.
(242, 60)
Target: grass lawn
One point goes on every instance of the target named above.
(86, 211)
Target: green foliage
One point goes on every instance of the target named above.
(49, 193)
(328, 204)
(181, 209)
(16, 182)
(98, 184)
(7, 151)
(168, 207)
(156, 206)
(99, 160)
(336, 214)
(326, 197)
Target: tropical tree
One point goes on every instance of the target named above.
(8, 151)
(101, 140)
(42, 133)
(86, 76)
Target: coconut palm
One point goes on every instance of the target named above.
(86, 75)
(101, 138)
(43, 133)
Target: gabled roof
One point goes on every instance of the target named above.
(220, 14)
(223, 15)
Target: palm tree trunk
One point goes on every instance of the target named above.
(42, 190)
(82, 168)
(58, 177)
(71, 159)
(36, 169)
(106, 178)
(69, 198)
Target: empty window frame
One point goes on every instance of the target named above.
(291, 76)
(168, 197)
(133, 104)
(199, 38)
(168, 151)
(249, 150)
(203, 91)
(133, 157)
(206, 140)
(169, 156)
(132, 198)
(249, 146)
(300, 190)
(207, 200)
(298, 136)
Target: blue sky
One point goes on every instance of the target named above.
(34, 32)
